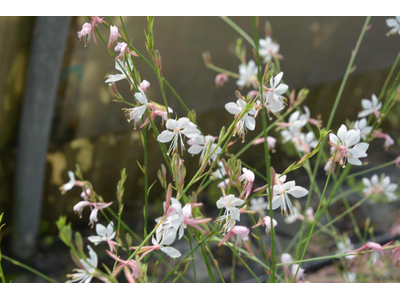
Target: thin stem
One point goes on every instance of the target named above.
(239, 30)
(334, 108)
(267, 158)
(17, 263)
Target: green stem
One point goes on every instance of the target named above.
(17, 263)
(267, 158)
(334, 108)
(239, 30)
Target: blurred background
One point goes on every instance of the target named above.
(56, 111)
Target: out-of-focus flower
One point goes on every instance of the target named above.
(174, 132)
(388, 140)
(395, 24)
(247, 121)
(266, 221)
(144, 85)
(259, 205)
(270, 140)
(247, 74)
(375, 187)
(286, 258)
(220, 80)
(370, 107)
(70, 184)
(88, 269)
(306, 142)
(242, 236)
(377, 250)
(104, 234)
(268, 49)
(361, 125)
(344, 247)
(232, 212)
(300, 273)
(347, 146)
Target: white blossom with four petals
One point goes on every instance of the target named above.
(174, 132)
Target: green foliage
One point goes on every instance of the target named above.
(65, 231)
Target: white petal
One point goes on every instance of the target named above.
(166, 136)
(171, 252)
(298, 191)
(232, 108)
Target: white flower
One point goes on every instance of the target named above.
(258, 204)
(123, 71)
(344, 247)
(351, 277)
(300, 273)
(361, 125)
(268, 49)
(103, 233)
(247, 74)
(290, 134)
(274, 99)
(306, 142)
(178, 127)
(267, 223)
(395, 23)
(281, 198)
(370, 107)
(298, 120)
(375, 187)
(232, 212)
(163, 239)
(199, 145)
(293, 217)
(220, 172)
(89, 266)
(136, 113)
(70, 184)
(347, 146)
(247, 121)
(286, 258)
